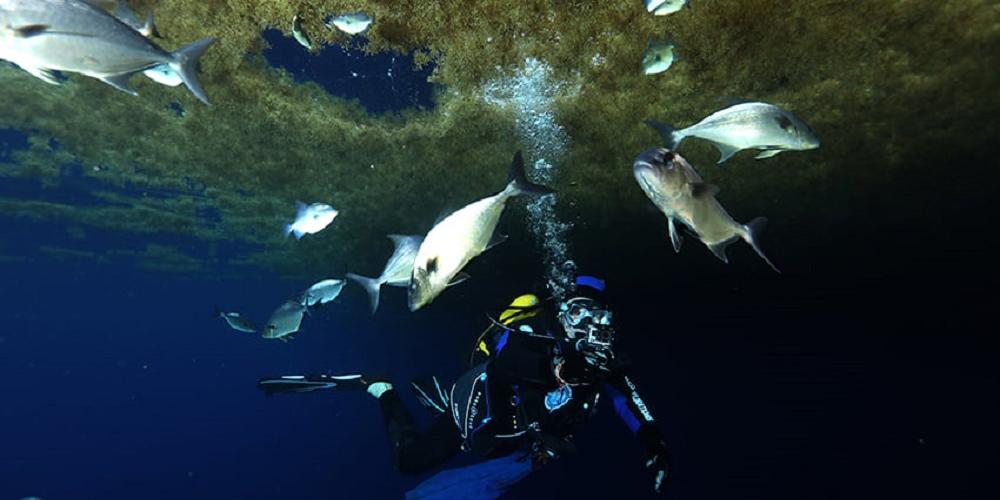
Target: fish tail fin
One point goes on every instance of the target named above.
(217, 313)
(753, 230)
(671, 137)
(288, 230)
(371, 285)
(518, 183)
(185, 64)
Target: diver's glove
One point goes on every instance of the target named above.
(657, 459)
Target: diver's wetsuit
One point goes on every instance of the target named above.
(514, 399)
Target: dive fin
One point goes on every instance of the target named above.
(753, 230)
(371, 285)
(675, 238)
(310, 383)
(518, 183)
(768, 153)
(185, 64)
(120, 82)
(460, 277)
(725, 151)
(430, 394)
(671, 137)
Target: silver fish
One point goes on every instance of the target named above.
(397, 269)
(43, 36)
(664, 7)
(351, 24)
(310, 219)
(461, 236)
(237, 321)
(300, 34)
(285, 320)
(751, 125)
(679, 192)
(658, 57)
(322, 292)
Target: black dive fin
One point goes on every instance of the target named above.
(311, 383)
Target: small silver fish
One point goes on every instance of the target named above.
(657, 57)
(300, 34)
(461, 236)
(285, 320)
(664, 7)
(322, 292)
(237, 321)
(674, 186)
(43, 36)
(397, 269)
(352, 24)
(310, 219)
(751, 125)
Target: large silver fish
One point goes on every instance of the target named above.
(397, 269)
(680, 193)
(461, 236)
(285, 320)
(751, 125)
(42, 36)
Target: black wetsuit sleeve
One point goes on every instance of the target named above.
(629, 405)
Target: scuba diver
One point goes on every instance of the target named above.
(538, 372)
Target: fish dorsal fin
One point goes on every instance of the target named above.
(120, 82)
(702, 189)
(460, 277)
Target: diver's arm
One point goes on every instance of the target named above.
(631, 408)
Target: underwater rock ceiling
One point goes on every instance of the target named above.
(867, 76)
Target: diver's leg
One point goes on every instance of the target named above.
(415, 452)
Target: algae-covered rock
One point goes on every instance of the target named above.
(869, 77)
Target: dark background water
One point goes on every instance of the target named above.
(866, 370)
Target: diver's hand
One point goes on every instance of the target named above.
(657, 462)
(657, 458)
